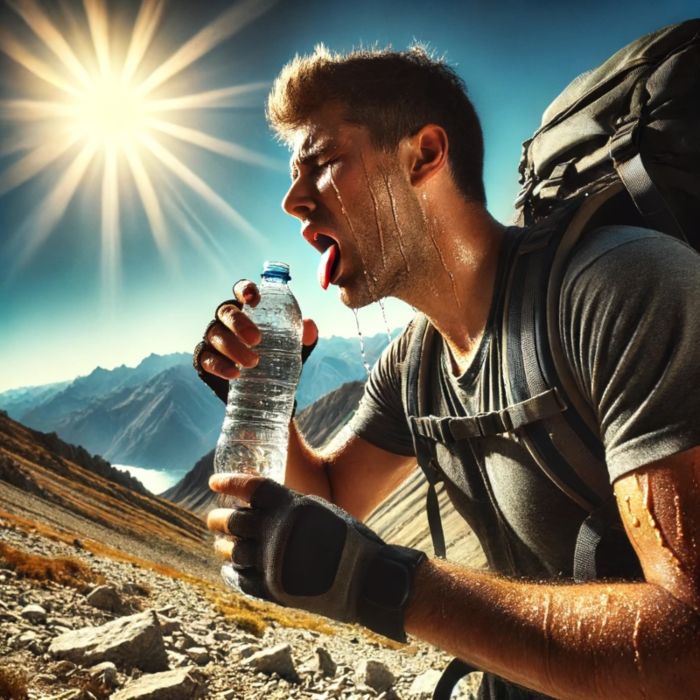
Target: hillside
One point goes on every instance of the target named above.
(45, 481)
(109, 592)
(318, 424)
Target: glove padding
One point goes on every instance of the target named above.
(304, 552)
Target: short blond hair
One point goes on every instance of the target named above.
(392, 93)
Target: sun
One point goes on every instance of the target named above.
(110, 113)
(102, 106)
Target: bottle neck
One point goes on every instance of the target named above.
(273, 280)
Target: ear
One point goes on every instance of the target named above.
(428, 148)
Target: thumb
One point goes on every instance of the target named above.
(310, 333)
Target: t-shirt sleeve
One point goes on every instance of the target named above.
(380, 417)
(630, 327)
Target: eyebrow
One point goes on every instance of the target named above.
(307, 155)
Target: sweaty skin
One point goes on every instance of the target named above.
(600, 640)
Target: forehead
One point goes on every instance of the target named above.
(326, 128)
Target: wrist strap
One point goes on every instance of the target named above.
(386, 590)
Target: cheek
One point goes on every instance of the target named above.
(342, 181)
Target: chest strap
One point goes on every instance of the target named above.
(450, 429)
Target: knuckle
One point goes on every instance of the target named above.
(218, 365)
(224, 313)
(213, 331)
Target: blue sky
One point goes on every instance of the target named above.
(61, 314)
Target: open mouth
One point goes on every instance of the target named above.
(330, 258)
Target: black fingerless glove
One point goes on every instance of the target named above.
(219, 385)
(304, 552)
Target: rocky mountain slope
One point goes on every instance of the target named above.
(47, 481)
(132, 632)
(106, 591)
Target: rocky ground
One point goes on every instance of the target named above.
(141, 634)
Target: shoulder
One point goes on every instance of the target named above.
(620, 252)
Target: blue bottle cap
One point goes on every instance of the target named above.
(276, 270)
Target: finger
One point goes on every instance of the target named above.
(310, 332)
(214, 363)
(228, 302)
(238, 484)
(244, 523)
(230, 345)
(246, 555)
(217, 519)
(239, 323)
(223, 549)
(246, 292)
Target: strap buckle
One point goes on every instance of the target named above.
(436, 429)
(493, 423)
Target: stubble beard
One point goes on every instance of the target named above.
(382, 258)
(375, 277)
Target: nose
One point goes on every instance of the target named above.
(299, 199)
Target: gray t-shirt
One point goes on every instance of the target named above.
(630, 327)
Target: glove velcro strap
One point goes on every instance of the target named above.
(386, 589)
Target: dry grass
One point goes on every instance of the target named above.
(64, 570)
(13, 684)
(254, 616)
(245, 613)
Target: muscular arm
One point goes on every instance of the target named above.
(600, 640)
(352, 473)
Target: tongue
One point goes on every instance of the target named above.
(326, 265)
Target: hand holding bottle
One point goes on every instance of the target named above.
(230, 339)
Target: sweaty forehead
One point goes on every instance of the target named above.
(311, 141)
(324, 129)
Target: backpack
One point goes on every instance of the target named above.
(620, 145)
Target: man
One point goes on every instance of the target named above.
(386, 180)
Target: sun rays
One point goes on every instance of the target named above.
(90, 99)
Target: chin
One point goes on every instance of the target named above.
(355, 298)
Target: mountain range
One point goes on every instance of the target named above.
(159, 415)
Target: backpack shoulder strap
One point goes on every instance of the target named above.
(566, 446)
(414, 388)
(576, 227)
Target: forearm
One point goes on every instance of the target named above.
(349, 471)
(306, 470)
(587, 641)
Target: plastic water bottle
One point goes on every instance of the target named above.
(255, 432)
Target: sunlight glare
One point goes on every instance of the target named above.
(107, 108)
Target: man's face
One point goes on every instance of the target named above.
(356, 206)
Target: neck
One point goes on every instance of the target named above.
(454, 286)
